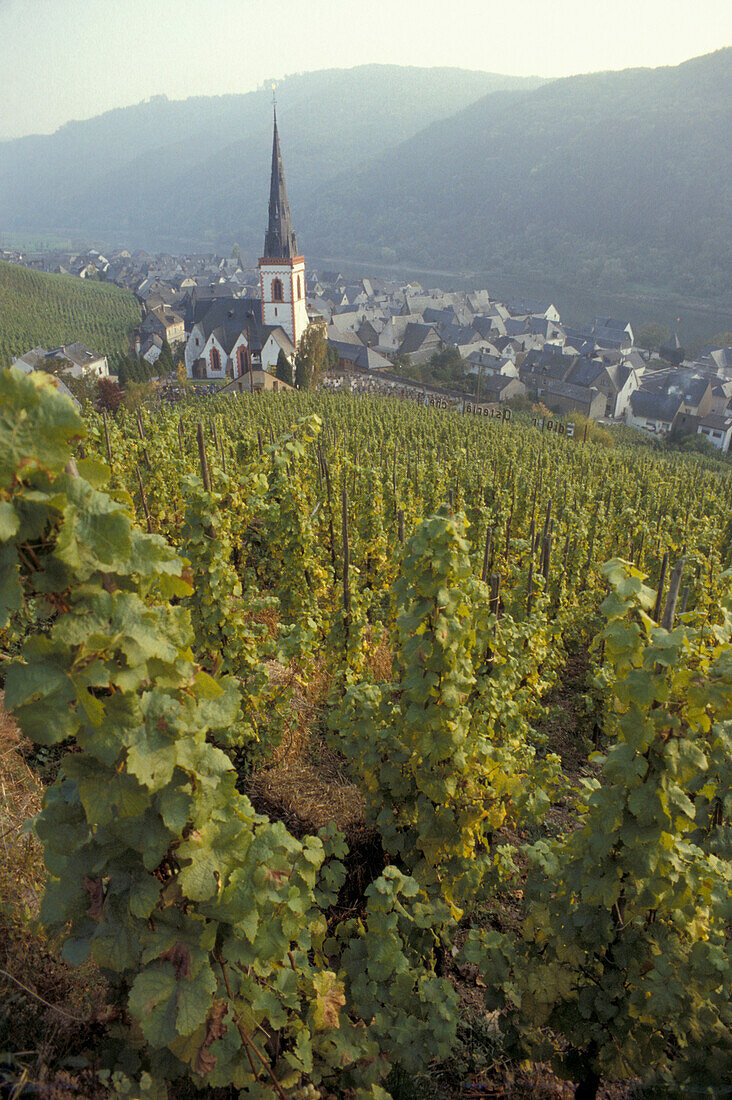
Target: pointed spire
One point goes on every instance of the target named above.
(279, 241)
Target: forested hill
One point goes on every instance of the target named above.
(37, 309)
(168, 174)
(613, 180)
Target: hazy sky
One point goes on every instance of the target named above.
(64, 59)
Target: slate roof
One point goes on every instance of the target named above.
(496, 383)
(567, 389)
(440, 316)
(458, 335)
(716, 421)
(655, 406)
(415, 336)
(228, 318)
(76, 353)
(492, 363)
(586, 372)
(230, 311)
(360, 356)
(31, 359)
(488, 327)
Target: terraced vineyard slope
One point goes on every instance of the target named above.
(50, 310)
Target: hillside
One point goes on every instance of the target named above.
(50, 310)
(169, 173)
(609, 180)
(615, 182)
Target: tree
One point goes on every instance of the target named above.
(310, 359)
(651, 335)
(137, 394)
(283, 368)
(109, 395)
(164, 363)
(333, 358)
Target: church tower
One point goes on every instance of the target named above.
(281, 269)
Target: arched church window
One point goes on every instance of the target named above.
(242, 360)
(299, 287)
(215, 359)
(277, 295)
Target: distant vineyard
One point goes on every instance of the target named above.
(50, 310)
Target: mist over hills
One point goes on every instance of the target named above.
(195, 172)
(608, 180)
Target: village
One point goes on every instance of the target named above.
(236, 327)
(207, 309)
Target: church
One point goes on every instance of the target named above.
(233, 336)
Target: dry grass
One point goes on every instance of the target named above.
(48, 1010)
(306, 797)
(381, 659)
(305, 783)
(21, 863)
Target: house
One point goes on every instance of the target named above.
(461, 337)
(653, 412)
(150, 349)
(526, 308)
(718, 359)
(31, 361)
(500, 387)
(607, 332)
(392, 334)
(721, 395)
(255, 381)
(368, 334)
(420, 342)
(165, 323)
(79, 361)
(485, 362)
(564, 397)
(355, 355)
(717, 430)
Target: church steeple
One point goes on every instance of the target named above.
(279, 241)
(282, 268)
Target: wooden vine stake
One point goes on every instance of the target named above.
(145, 508)
(326, 470)
(486, 554)
(202, 456)
(546, 551)
(495, 597)
(143, 437)
(669, 611)
(346, 557)
(106, 437)
(661, 582)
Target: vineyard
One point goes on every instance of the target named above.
(42, 310)
(317, 822)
